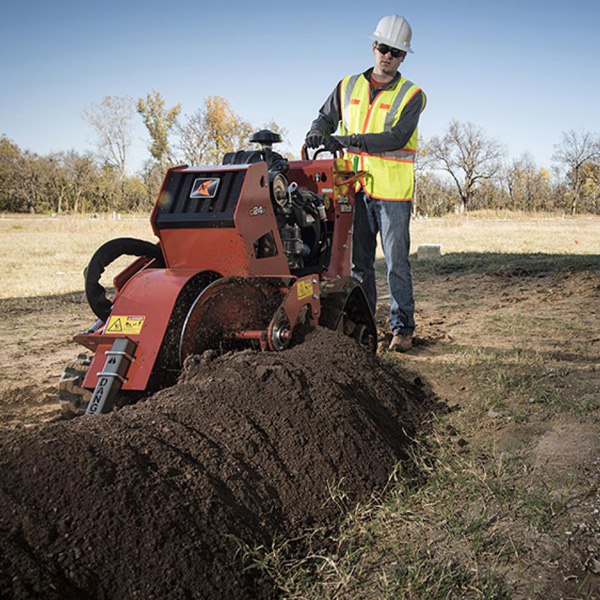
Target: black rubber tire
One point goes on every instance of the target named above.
(72, 396)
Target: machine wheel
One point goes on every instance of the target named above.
(365, 338)
(279, 332)
(73, 398)
(344, 308)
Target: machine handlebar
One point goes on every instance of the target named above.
(304, 152)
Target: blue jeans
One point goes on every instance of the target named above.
(391, 219)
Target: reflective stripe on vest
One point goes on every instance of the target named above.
(390, 175)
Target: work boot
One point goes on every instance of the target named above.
(401, 342)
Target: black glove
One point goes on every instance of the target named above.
(349, 140)
(332, 144)
(313, 139)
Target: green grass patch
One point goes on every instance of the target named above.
(517, 383)
(423, 578)
(447, 526)
(519, 325)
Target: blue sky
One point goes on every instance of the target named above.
(523, 71)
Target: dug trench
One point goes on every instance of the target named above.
(151, 501)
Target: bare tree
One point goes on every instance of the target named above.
(159, 121)
(112, 120)
(467, 156)
(576, 149)
(283, 147)
(191, 141)
(424, 158)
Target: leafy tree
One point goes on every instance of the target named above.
(590, 188)
(11, 159)
(490, 194)
(57, 183)
(432, 195)
(211, 132)
(64, 181)
(527, 186)
(215, 129)
(34, 175)
(135, 195)
(545, 190)
(467, 156)
(82, 174)
(112, 120)
(159, 121)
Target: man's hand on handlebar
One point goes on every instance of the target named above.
(314, 139)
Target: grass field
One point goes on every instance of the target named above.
(44, 255)
(518, 233)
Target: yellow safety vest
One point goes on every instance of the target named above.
(390, 175)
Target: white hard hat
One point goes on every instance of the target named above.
(393, 31)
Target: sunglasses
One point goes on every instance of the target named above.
(384, 49)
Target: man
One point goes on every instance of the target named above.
(378, 112)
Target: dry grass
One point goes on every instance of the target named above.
(44, 256)
(510, 234)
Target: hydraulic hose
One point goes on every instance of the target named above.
(104, 256)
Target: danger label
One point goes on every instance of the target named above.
(125, 324)
(305, 289)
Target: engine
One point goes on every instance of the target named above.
(300, 213)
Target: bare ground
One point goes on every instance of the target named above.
(512, 343)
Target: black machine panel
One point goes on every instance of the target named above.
(193, 199)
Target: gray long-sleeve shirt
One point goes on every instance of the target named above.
(374, 143)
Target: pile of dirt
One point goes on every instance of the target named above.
(147, 502)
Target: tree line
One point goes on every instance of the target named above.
(459, 170)
(464, 169)
(99, 181)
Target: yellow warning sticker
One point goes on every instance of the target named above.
(305, 289)
(125, 324)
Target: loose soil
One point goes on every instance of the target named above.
(140, 503)
(149, 501)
